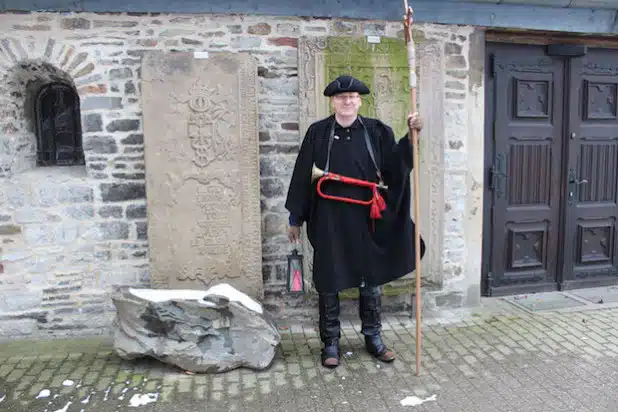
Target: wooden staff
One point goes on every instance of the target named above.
(407, 23)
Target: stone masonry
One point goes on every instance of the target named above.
(69, 234)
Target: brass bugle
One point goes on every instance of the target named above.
(317, 173)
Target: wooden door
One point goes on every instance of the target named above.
(525, 106)
(591, 211)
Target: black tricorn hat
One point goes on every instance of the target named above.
(345, 84)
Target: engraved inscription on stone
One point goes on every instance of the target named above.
(202, 170)
(210, 121)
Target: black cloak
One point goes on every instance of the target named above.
(349, 247)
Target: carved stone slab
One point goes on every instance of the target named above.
(384, 68)
(202, 170)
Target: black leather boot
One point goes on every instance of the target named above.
(369, 311)
(330, 329)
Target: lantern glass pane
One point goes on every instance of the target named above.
(295, 276)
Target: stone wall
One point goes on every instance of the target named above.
(70, 233)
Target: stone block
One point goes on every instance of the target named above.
(374, 29)
(274, 166)
(45, 196)
(456, 62)
(100, 144)
(67, 233)
(136, 211)
(9, 230)
(123, 125)
(288, 29)
(450, 300)
(38, 265)
(17, 328)
(75, 23)
(93, 123)
(17, 298)
(113, 230)
(455, 96)
(101, 102)
(13, 196)
(455, 85)
(274, 225)
(129, 88)
(124, 73)
(210, 182)
(38, 235)
(283, 41)
(452, 48)
(246, 42)
(75, 194)
(260, 29)
(129, 176)
(96, 166)
(133, 139)
(118, 192)
(273, 187)
(142, 230)
(110, 211)
(234, 29)
(114, 24)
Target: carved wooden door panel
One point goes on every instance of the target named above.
(591, 210)
(525, 110)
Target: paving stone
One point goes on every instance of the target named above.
(511, 360)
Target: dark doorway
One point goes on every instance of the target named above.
(551, 159)
(58, 126)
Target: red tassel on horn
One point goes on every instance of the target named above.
(380, 201)
(377, 205)
(375, 211)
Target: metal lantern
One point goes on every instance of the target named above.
(296, 277)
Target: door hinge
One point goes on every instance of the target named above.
(492, 65)
(497, 174)
(493, 129)
(489, 283)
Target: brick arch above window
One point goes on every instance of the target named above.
(68, 58)
(27, 65)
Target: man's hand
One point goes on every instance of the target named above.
(415, 121)
(294, 234)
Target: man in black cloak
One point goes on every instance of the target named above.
(350, 248)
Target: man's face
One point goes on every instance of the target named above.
(346, 104)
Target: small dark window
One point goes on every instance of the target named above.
(58, 126)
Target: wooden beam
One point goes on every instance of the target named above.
(586, 4)
(544, 38)
(532, 16)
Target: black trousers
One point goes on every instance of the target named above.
(368, 310)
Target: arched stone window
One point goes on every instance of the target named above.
(58, 126)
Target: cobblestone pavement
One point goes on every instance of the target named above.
(503, 359)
